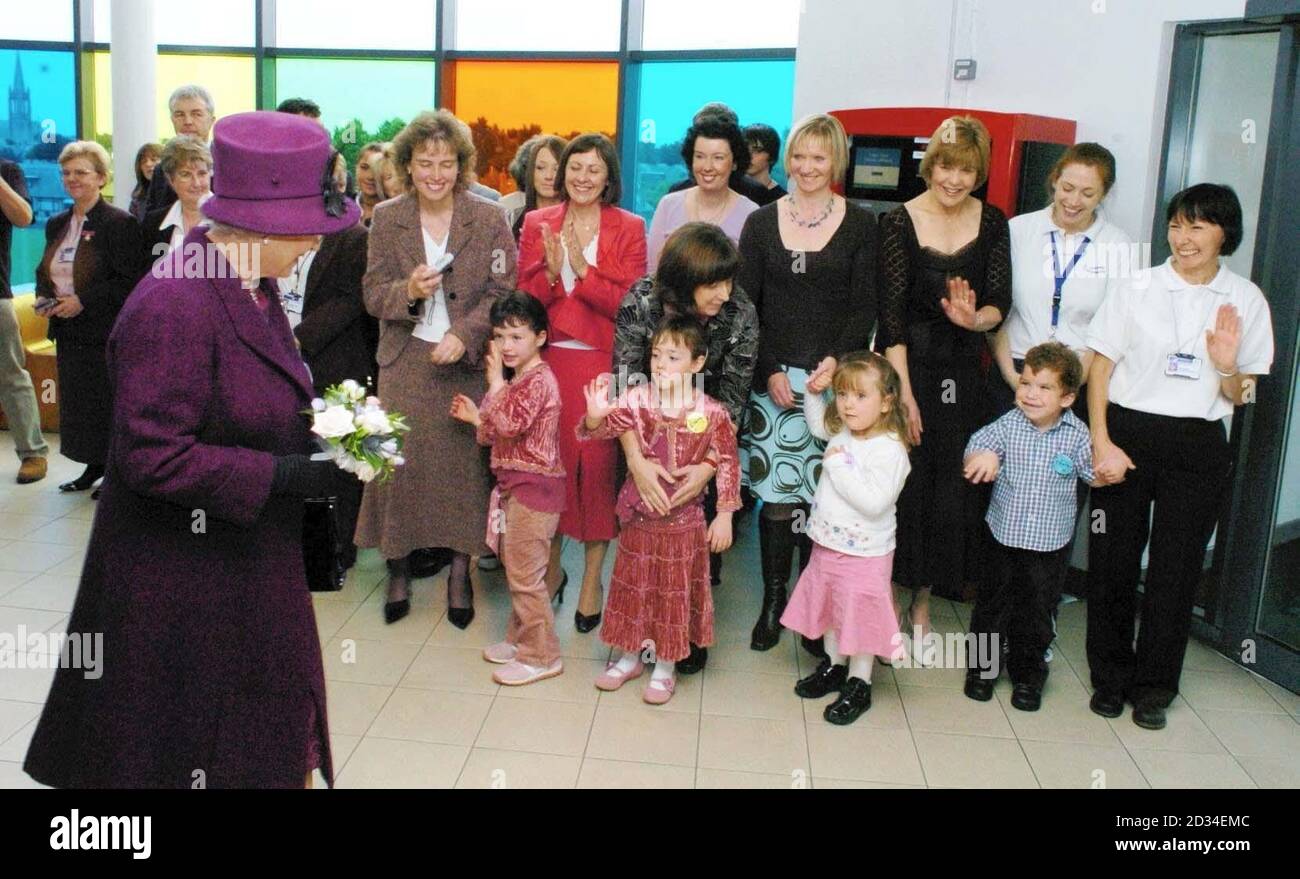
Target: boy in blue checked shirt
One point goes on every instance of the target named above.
(1035, 455)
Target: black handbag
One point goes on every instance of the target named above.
(321, 554)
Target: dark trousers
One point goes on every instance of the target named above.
(1174, 496)
(1016, 602)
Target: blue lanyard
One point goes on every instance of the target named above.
(1061, 276)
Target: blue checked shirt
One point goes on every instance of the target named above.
(1034, 495)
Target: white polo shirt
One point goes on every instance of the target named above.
(1106, 260)
(1140, 326)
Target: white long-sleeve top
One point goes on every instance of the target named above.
(853, 510)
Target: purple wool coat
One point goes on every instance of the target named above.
(211, 665)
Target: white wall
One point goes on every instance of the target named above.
(1103, 63)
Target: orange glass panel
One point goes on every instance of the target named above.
(507, 102)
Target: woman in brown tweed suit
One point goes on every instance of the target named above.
(434, 331)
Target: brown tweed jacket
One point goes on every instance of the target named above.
(483, 271)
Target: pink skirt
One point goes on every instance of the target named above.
(850, 596)
(659, 594)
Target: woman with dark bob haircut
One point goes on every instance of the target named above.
(717, 153)
(1175, 353)
(578, 258)
(696, 276)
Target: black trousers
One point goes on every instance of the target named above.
(1174, 496)
(1016, 603)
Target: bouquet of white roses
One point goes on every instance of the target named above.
(356, 433)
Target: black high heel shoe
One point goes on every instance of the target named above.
(84, 481)
(395, 610)
(584, 623)
(559, 593)
(460, 617)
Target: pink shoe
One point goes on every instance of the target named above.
(656, 695)
(612, 680)
(516, 674)
(500, 653)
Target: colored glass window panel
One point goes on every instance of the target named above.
(346, 24)
(507, 102)
(40, 118)
(360, 99)
(671, 92)
(230, 79)
(529, 26)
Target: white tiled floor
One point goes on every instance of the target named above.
(413, 704)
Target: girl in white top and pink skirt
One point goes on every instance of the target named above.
(844, 595)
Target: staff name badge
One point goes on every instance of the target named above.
(1183, 366)
(67, 254)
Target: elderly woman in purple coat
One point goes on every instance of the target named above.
(211, 671)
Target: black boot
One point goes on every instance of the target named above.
(776, 541)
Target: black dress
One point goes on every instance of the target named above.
(105, 271)
(939, 513)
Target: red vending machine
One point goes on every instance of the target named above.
(886, 145)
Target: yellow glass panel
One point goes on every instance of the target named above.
(231, 79)
(517, 99)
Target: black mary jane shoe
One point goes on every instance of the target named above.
(978, 688)
(584, 623)
(855, 699)
(1149, 715)
(826, 678)
(1106, 704)
(694, 663)
(1027, 697)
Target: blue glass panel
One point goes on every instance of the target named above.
(39, 117)
(669, 93)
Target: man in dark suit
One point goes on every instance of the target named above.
(192, 112)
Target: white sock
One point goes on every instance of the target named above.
(663, 672)
(830, 645)
(626, 663)
(860, 666)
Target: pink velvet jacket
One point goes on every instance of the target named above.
(674, 442)
(522, 424)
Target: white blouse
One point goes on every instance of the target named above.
(1108, 257)
(569, 279)
(434, 319)
(853, 510)
(1142, 325)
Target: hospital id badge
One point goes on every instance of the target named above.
(67, 254)
(1183, 366)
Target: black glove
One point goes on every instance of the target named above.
(300, 476)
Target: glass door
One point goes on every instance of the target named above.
(1233, 116)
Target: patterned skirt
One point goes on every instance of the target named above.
(660, 601)
(785, 459)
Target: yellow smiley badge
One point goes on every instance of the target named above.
(697, 422)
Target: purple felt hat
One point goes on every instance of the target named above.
(271, 174)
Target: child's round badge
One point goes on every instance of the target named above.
(697, 422)
(1063, 465)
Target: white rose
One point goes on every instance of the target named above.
(318, 405)
(375, 421)
(366, 472)
(333, 423)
